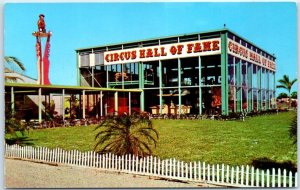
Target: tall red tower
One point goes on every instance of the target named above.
(43, 62)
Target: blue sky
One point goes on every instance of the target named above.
(271, 26)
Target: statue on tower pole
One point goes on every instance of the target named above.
(43, 62)
(41, 23)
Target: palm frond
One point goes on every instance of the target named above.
(10, 60)
(126, 135)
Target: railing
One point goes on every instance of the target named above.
(243, 176)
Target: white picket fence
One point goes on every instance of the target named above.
(243, 176)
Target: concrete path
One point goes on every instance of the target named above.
(26, 174)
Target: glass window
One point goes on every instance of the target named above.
(254, 76)
(151, 74)
(170, 73)
(231, 81)
(190, 71)
(85, 60)
(231, 78)
(244, 85)
(211, 70)
(152, 101)
(255, 99)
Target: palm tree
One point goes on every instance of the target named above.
(13, 64)
(125, 134)
(285, 83)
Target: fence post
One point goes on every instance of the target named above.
(119, 163)
(141, 165)
(70, 154)
(51, 155)
(47, 154)
(100, 160)
(136, 163)
(247, 175)
(199, 170)
(16, 152)
(204, 176)
(268, 178)
(284, 178)
(147, 165)
(167, 167)
(296, 179)
(113, 162)
(222, 173)
(61, 155)
(290, 179)
(257, 177)
(237, 175)
(20, 152)
(88, 158)
(242, 175)
(279, 177)
(129, 163)
(232, 175)
(262, 178)
(94, 159)
(174, 167)
(122, 162)
(218, 173)
(273, 177)
(23, 151)
(227, 174)
(170, 167)
(178, 168)
(65, 157)
(208, 172)
(158, 166)
(37, 152)
(163, 167)
(191, 171)
(195, 171)
(77, 158)
(186, 170)
(126, 162)
(154, 166)
(107, 161)
(213, 173)
(57, 155)
(144, 165)
(182, 169)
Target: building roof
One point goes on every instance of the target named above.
(134, 44)
(47, 89)
(14, 77)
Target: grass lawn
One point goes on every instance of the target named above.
(229, 142)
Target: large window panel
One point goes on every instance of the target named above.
(190, 71)
(211, 70)
(169, 73)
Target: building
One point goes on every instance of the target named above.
(199, 73)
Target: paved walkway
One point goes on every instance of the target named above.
(26, 174)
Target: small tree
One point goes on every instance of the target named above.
(14, 129)
(126, 135)
(282, 95)
(285, 83)
(294, 95)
